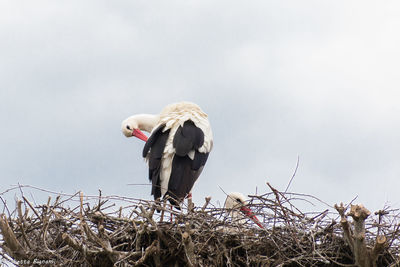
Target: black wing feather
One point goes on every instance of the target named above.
(182, 179)
(154, 148)
(187, 138)
(199, 160)
(185, 171)
(153, 137)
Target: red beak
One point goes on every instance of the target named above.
(138, 133)
(249, 213)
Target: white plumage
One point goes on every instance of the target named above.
(183, 126)
(173, 116)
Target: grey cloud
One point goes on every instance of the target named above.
(277, 80)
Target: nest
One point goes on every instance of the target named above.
(79, 230)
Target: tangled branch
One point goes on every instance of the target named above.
(84, 230)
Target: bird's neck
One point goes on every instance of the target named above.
(146, 122)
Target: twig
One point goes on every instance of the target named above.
(21, 222)
(208, 199)
(150, 250)
(14, 247)
(294, 173)
(32, 208)
(188, 246)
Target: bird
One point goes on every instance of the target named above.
(177, 149)
(237, 207)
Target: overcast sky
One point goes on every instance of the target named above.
(278, 79)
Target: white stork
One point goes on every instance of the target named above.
(176, 150)
(238, 208)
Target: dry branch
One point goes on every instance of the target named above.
(11, 244)
(356, 236)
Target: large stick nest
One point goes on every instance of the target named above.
(81, 230)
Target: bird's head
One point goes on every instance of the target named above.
(237, 201)
(130, 127)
